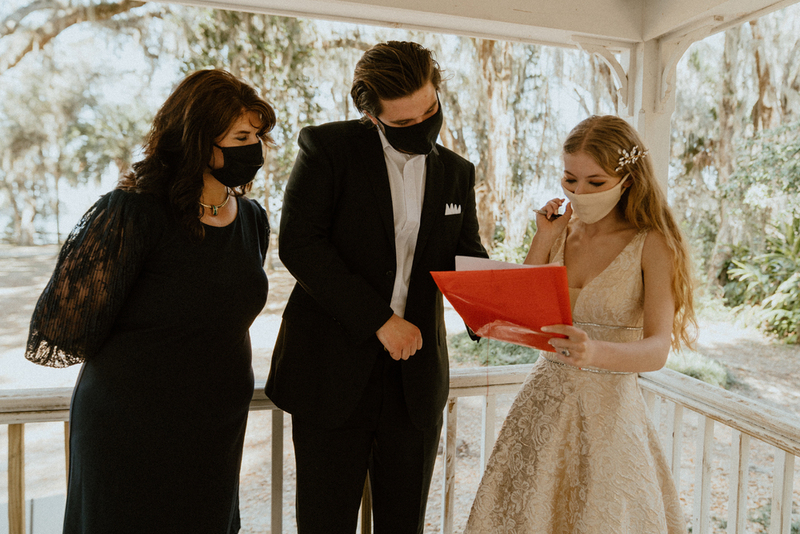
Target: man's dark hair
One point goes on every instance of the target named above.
(389, 71)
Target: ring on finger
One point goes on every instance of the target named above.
(564, 352)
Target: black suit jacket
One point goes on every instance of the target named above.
(337, 240)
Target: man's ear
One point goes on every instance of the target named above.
(373, 119)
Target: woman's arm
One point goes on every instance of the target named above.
(97, 267)
(648, 354)
(547, 231)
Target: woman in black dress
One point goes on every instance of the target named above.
(155, 291)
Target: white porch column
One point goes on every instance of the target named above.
(654, 118)
(644, 73)
(654, 91)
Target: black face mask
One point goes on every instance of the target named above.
(241, 164)
(419, 138)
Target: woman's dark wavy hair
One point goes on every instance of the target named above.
(200, 110)
(389, 71)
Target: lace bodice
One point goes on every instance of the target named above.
(610, 307)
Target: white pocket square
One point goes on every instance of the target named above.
(452, 209)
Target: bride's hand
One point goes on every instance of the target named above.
(577, 349)
(547, 231)
(548, 218)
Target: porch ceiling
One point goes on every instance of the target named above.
(553, 22)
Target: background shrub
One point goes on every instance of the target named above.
(765, 288)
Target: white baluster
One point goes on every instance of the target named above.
(782, 482)
(702, 480)
(737, 482)
(677, 449)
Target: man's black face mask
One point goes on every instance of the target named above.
(419, 138)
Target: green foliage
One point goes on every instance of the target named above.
(488, 351)
(734, 292)
(770, 160)
(763, 514)
(73, 108)
(767, 285)
(701, 233)
(701, 367)
(110, 136)
(709, 304)
(729, 178)
(59, 129)
(504, 251)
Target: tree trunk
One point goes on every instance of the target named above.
(492, 188)
(790, 85)
(452, 134)
(763, 115)
(721, 252)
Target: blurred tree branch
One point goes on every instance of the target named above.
(60, 18)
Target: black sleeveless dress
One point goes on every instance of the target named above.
(159, 410)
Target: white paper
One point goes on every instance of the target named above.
(471, 263)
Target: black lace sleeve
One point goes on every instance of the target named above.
(96, 268)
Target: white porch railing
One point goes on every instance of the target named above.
(666, 392)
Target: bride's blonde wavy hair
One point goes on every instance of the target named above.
(604, 138)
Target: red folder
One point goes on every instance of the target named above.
(510, 304)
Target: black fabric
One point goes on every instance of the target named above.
(159, 410)
(337, 239)
(96, 268)
(378, 438)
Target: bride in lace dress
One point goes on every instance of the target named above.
(577, 452)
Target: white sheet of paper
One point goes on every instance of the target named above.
(470, 263)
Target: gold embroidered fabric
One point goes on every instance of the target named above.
(577, 453)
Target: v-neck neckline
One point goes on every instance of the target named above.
(607, 267)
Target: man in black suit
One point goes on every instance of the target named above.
(360, 362)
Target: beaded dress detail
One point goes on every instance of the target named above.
(577, 452)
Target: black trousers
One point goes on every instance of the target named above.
(378, 439)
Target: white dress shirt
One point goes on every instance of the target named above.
(407, 184)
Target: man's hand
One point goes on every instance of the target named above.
(399, 337)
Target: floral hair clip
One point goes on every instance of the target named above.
(630, 158)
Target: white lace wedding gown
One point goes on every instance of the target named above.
(577, 452)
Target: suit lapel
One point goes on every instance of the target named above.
(375, 170)
(432, 204)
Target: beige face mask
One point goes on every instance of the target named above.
(591, 207)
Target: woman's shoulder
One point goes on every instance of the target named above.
(141, 212)
(254, 211)
(255, 219)
(655, 249)
(125, 199)
(252, 206)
